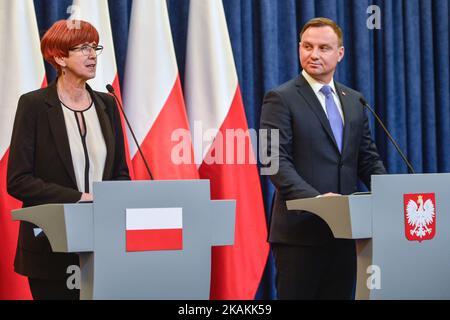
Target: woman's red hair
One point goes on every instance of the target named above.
(64, 35)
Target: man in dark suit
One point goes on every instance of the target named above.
(325, 146)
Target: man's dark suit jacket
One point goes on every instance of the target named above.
(309, 159)
(40, 170)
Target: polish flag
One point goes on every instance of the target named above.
(153, 96)
(97, 13)
(154, 229)
(22, 70)
(214, 101)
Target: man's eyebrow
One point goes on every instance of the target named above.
(318, 44)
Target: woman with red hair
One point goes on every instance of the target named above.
(65, 137)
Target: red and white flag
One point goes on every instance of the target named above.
(153, 97)
(214, 103)
(154, 229)
(22, 70)
(97, 13)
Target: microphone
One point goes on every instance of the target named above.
(364, 103)
(112, 91)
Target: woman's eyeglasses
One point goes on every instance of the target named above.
(87, 49)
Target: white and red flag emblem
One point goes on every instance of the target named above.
(153, 229)
(420, 216)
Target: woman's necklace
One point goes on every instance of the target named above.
(67, 102)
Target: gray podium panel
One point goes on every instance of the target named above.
(179, 274)
(98, 233)
(62, 223)
(410, 269)
(347, 216)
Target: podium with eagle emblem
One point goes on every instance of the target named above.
(402, 233)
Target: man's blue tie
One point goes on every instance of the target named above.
(333, 115)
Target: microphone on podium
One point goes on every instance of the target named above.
(111, 90)
(365, 104)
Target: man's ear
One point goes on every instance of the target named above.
(341, 53)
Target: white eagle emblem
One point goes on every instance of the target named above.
(420, 217)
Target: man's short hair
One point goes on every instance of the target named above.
(324, 22)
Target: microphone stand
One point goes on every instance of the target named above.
(364, 103)
(111, 90)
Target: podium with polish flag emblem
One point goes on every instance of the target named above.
(402, 233)
(140, 239)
